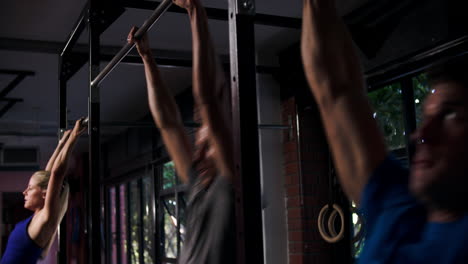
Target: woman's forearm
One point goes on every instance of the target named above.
(57, 150)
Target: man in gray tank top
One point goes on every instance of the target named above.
(208, 166)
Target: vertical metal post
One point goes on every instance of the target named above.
(142, 241)
(409, 111)
(129, 229)
(118, 239)
(62, 104)
(94, 230)
(155, 200)
(245, 131)
(107, 224)
(62, 232)
(62, 238)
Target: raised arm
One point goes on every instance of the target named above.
(57, 150)
(335, 78)
(58, 171)
(208, 87)
(164, 111)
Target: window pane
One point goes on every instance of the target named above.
(134, 222)
(148, 220)
(113, 224)
(169, 177)
(421, 90)
(388, 111)
(358, 232)
(170, 227)
(182, 217)
(123, 224)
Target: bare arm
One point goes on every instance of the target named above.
(164, 111)
(59, 147)
(44, 223)
(208, 84)
(59, 169)
(63, 200)
(335, 78)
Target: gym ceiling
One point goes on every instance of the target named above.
(32, 34)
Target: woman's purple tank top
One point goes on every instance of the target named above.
(21, 248)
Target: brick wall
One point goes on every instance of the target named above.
(306, 195)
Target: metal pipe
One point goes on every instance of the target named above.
(93, 188)
(186, 124)
(75, 34)
(222, 14)
(299, 155)
(417, 57)
(158, 12)
(273, 126)
(27, 134)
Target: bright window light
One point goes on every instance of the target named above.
(355, 218)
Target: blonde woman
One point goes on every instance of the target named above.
(47, 196)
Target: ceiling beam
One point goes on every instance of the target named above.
(36, 46)
(16, 72)
(164, 57)
(52, 47)
(9, 105)
(12, 85)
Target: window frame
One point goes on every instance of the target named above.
(155, 172)
(176, 191)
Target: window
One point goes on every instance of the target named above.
(123, 223)
(168, 176)
(390, 115)
(421, 90)
(146, 214)
(131, 222)
(113, 224)
(148, 220)
(358, 238)
(172, 214)
(388, 111)
(134, 212)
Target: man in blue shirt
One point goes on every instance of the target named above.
(415, 216)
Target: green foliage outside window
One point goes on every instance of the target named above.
(134, 222)
(170, 227)
(421, 90)
(169, 175)
(173, 231)
(182, 217)
(388, 111)
(139, 214)
(123, 223)
(148, 220)
(358, 226)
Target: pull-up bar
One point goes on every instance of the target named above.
(186, 124)
(158, 12)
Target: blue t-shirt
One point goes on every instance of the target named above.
(397, 226)
(21, 248)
